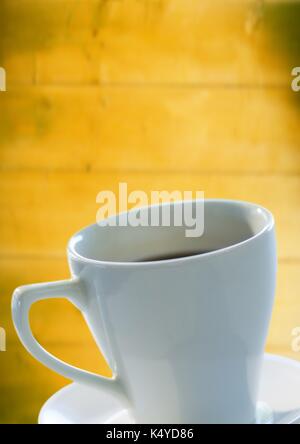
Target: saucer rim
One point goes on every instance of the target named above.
(268, 357)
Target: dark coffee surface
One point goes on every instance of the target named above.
(168, 256)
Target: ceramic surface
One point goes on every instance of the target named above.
(190, 331)
(78, 404)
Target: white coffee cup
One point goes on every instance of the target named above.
(184, 337)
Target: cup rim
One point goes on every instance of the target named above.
(74, 255)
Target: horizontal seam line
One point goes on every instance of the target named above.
(156, 172)
(159, 85)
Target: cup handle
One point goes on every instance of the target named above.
(22, 300)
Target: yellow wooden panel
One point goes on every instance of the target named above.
(195, 87)
(167, 41)
(223, 41)
(19, 67)
(26, 384)
(19, 367)
(183, 129)
(48, 320)
(23, 270)
(18, 271)
(40, 210)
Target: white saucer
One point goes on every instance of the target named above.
(79, 404)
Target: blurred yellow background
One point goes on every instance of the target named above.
(162, 94)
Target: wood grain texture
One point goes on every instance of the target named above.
(222, 129)
(161, 94)
(26, 384)
(160, 41)
(39, 211)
